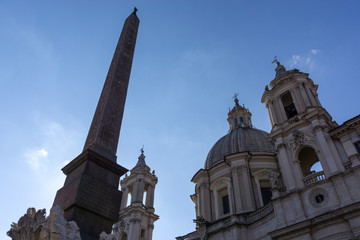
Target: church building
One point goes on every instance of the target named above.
(300, 181)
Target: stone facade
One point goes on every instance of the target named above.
(307, 187)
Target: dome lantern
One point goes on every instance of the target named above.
(239, 116)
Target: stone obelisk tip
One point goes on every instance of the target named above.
(105, 128)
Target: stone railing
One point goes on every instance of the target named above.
(347, 165)
(314, 178)
(260, 213)
(293, 119)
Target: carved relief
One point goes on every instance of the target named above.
(200, 227)
(300, 138)
(34, 226)
(274, 180)
(119, 229)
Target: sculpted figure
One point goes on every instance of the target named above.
(274, 180)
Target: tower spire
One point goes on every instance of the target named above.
(105, 128)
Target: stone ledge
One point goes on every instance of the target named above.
(89, 155)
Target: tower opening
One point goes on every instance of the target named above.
(144, 197)
(309, 161)
(289, 105)
(236, 123)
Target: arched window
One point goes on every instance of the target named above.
(262, 186)
(236, 124)
(221, 192)
(242, 121)
(309, 161)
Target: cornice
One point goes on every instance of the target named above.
(347, 126)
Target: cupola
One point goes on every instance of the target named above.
(239, 116)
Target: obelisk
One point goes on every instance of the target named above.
(90, 195)
(105, 128)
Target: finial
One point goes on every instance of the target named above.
(276, 61)
(236, 100)
(280, 69)
(135, 10)
(141, 157)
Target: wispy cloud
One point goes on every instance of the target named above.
(36, 158)
(304, 62)
(56, 139)
(314, 51)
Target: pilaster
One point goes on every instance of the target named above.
(236, 187)
(286, 168)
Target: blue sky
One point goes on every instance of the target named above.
(190, 58)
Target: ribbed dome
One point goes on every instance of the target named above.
(239, 140)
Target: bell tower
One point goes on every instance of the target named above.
(137, 217)
(300, 128)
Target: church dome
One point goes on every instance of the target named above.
(241, 138)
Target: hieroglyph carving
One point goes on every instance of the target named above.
(300, 138)
(34, 226)
(106, 124)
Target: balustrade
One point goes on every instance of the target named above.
(314, 178)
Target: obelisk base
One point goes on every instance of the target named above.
(90, 195)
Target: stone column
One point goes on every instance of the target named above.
(270, 115)
(150, 197)
(236, 187)
(297, 103)
(230, 195)
(140, 190)
(329, 160)
(134, 229)
(279, 213)
(258, 189)
(273, 113)
(124, 198)
(286, 168)
(204, 201)
(342, 191)
(304, 95)
(300, 99)
(298, 207)
(281, 110)
(246, 185)
(216, 204)
(149, 231)
(311, 97)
